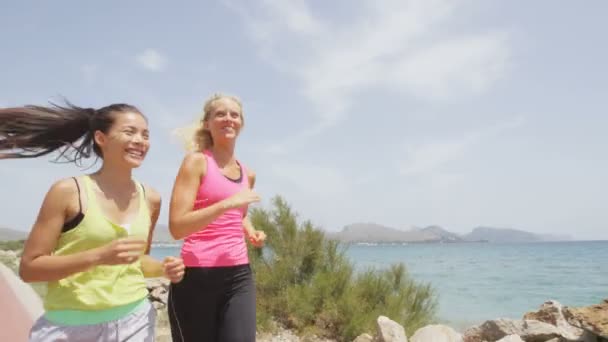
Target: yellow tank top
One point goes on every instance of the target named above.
(101, 287)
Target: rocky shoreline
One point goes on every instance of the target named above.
(552, 322)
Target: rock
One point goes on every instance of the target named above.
(160, 294)
(512, 338)
(158, 289)
(390, 331)
(436, 333)
(158, 305)
(364, 338)
(592, 318)
(552, 312)
(528, 330)
(153, 283)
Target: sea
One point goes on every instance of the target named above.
(480, 281)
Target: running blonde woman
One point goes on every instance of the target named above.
(216, 300)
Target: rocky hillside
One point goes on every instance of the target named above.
(376, 233)
(501, 235)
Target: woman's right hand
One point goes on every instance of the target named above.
(241, 199)
(121, 251)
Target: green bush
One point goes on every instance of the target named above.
(305, 282)
(13, 245)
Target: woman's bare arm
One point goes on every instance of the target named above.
(183, 219)
(37, 262)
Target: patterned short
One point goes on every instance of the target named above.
(136, 327)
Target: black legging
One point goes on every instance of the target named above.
(213, 304)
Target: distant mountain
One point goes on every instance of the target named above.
(442, 234)
(376, 233)
(501, 235)
(7, 234)
(372, 232)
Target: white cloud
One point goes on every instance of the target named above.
(403, 46)
(452, 68)
(152, 60)
(428, 158)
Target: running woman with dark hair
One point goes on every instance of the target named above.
(91, 239)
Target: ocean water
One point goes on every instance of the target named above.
(480, 281)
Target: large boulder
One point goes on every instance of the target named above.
(528, 330)
(436, 333)
(552, 312)
(592, 318)
(389, 330)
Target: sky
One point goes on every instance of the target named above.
(405, 113)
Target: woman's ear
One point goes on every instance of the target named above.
(100, 138)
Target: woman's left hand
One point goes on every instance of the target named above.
(257, 238)
(173, 268)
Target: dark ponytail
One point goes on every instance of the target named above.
(33, 131)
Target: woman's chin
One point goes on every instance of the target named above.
(226, 138)
(134, 162)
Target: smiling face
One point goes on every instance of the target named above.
(127, 141)
(224, 120)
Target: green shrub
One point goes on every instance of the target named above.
(13, 245)
(305, 282)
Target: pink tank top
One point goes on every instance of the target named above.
(222, 242)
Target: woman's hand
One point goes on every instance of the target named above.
(241, 199)
(173, 269)
(257, 238)
(121, 251)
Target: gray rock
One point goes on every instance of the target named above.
(364, 338)
(592, 318)
(158, 289)
(552, 312)
(528, 330)
(436, 333)
(390, 331)
(511, 338)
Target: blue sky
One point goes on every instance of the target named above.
(406, 113)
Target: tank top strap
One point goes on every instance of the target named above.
(141, 195)
(90, 194)
(210, 160)
(244, 174)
